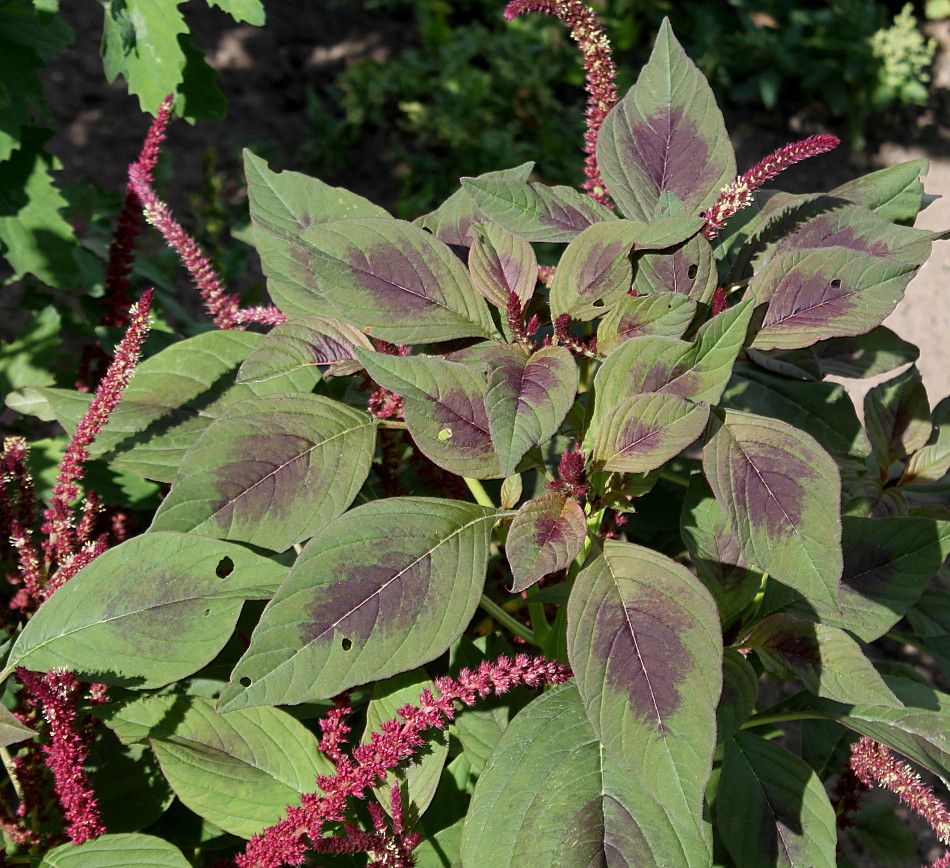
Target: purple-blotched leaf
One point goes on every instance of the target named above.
(536, 212)
(172, 398)
(827, 659)
(116, 851)
(661, 313)
(897, 417)
(112, 622)
(594, 272)
(666, 135)
(283, 205)
(500, 263)
(888, 562)
(715, 553)
(824, 410)
(772, 808)
(644, 642)
(394, 281)
(418, 778)
(740, 691)
(545, 536)
(444, 410)
(689, 269)
(550, 796)
(643, 432)
(780, 492)
(238, 770)
(896, 193)
(930, 618)
(695, 371)
(271, 471)
(384, 587)
(920, 730)
(303, 343)
(12, 731)
(825, 292)
(452, 221)
(527, 397)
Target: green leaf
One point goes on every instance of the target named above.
(140, 41)
(12, 731)
(444, 410)
(112, 621)
(34, 236)
(533, 211)
(594, 272)
(688, 269)
(545, 536)
(381, 589)
(661, 313)
(391, 279)
(419, 777)
(895, 193)
(238, 770)
(642, 433)
(302, 343)
(772, 808)
(740, 691)
(897, 417)
(452, 221)
(715, 552)
(780, 492)
(271, 471)
(26, 360)
(877, 352)
(827, 659)
(527, 398)
(499, 263)
(644, 642)
(116, 851)
(551, 797)
(251, 11)
(172, 398)
(823, 410)
(825, 292)
(666, 135)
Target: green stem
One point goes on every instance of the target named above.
(391, 423)
(769, 719)
(503, 618)
(8, 765)
(670, 476)
(478, 492)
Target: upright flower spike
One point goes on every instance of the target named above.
(599, 66)
(59, 520)
(738, 194)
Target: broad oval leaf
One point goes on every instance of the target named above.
(644, 642)
(827, 659)
(826, 292)
(688, 269)
(418, 777)
(740, 691)
(527, 398)
(444, 409)
(545, 536)
(772, 808)
(551, 797)
(867, 355)
(666, 135)
(238, 770)
(395, 281)
(896, 193)
(660, 313)
(271, 471)
(381, 589)
(535, 212)
(172, 398)
(112, 621)
(780, 492)
(644, 432)
(116, 851)
(303, 343)
(897, 417)
(12, 730)
(500, 263)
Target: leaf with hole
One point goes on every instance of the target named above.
(661, 313)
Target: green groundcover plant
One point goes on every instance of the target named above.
(467, 560)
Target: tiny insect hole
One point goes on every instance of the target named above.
(206, 612)
(245, 682)
(224, 568)
(346, 644)
(836, 283)
(692, 271)
(598, 303)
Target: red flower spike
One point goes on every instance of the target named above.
(599, 66)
